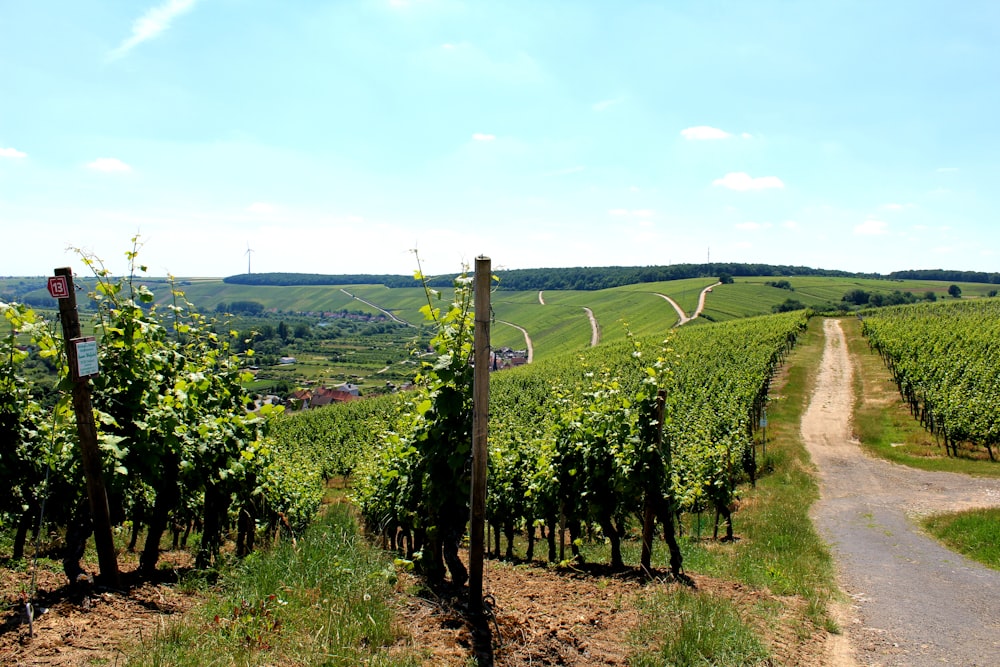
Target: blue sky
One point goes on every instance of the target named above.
(336, 137)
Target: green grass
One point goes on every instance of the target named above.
(974, 534)
(884, 425)
(321, 601)
(686, 628)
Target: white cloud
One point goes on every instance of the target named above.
(480, 136)
(790, 224)
(108, 164)
(152, 23)
(12, 152)
(742, 182)
(605, 104)
(872, 227)
(747, 135)
(633, 188)
(701, 132)
(893, 207)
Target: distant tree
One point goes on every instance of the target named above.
(264, 332)
(726, 278)
(249, 307)
(930, 296)
(283, 331)
(955, 291)
(780, 284)
(788, 305)
(992, 292)
(858, 297)
(302, 330)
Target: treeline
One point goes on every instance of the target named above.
(299, 279)
(949, 275)
(576, 278)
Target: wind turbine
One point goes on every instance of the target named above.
(249, 250)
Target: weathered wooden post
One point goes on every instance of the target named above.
(480, 428)
(82, 355)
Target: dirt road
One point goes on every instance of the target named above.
(682, 317)
(527, 339)
(914, 602)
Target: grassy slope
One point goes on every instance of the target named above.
(561, 325)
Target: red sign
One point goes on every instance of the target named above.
(58, 288)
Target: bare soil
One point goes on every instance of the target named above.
(83, 624)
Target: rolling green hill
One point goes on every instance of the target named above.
(555, 320)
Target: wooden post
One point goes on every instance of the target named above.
(87, 430)
(480, 426)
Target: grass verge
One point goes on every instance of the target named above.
(973, 533)
(322, 600)
(686, 628)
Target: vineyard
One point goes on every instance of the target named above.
(591, 453)
(575, 442)
(945, 361)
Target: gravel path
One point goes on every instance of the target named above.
(527, 339)
(595, 330)
(681, 315)
(914, 602)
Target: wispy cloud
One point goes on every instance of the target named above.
(747, 135)
(151, 24)
(12, 152)
(790, 224)
(482, 136)
(108, 164)
(704, 132)
(742, 181)
(605, 104)
(872, 227)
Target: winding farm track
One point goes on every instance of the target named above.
(595, 330)
(682, 317)
(376, 307)
(915, 603)
(527, 339)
